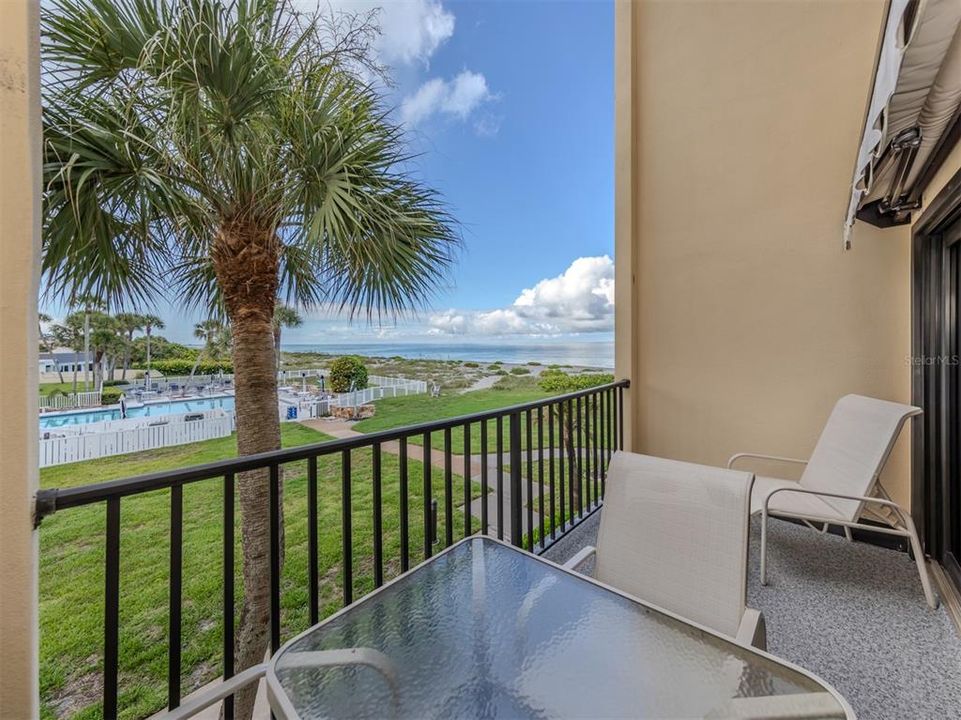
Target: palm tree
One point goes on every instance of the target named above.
(90, 302)
(211, 332)
(231, 154)
(284, 316)
(150, 323)
(46, 339)
(70, 334)
(105, 343)
(127, 325)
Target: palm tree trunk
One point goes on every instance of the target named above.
(246, 261)
(86, 350)
(193, 370)
(277, 330)
(126, 356)
(98, 370)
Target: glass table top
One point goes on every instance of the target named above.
(486, 631)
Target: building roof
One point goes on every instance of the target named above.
(63, 356)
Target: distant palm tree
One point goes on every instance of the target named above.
(150, 323)
(69, 335)
(46, 340)
(127, 325)
(89, 302)
(231, 153)
(284, 316)
(212, 333)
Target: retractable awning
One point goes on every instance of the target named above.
(914, 106)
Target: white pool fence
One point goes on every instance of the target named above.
(117, 437)
(70, 401)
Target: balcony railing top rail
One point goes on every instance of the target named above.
(549, 473)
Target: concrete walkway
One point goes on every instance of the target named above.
(343, 429)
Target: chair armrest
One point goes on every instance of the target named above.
(202, 700)
(752, 630)
(343, 657)
(734, 458)
(905, 517)
(582, 556)
(821, 493)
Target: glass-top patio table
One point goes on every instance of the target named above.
(484, 630)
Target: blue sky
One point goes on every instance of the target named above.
(510, 106)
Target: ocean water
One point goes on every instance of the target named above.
(593, 354)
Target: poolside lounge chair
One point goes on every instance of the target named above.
(676, 535)
(839, 484)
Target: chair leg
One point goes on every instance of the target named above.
(919, 559)
(763, 548)
(847, 534)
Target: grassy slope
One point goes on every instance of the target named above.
(72, 556)
(413, 409)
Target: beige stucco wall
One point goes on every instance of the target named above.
(948, 170)
(748, 320)
(19, 248)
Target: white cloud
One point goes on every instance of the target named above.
(458, 97)
(411, 30)
(581, 299)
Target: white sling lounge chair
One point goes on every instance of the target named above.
(676, 535)
(840, 481)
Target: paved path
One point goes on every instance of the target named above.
(485, 383)
(343, 429)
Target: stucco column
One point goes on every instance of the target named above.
(19, 271)
(625, 242)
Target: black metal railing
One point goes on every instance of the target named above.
(582, 431)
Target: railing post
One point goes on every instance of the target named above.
(515, 461)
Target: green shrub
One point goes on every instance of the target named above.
(533, 362)
(183, 366)
(498, 362)
(160, 349)
(471, 364)
(526, 383)
(500, 371)
(520, 371)
(556, 381)
(110, 396)
(347, 373)
(114, 383)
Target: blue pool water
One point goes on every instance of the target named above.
(52, 421)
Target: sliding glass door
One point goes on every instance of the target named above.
(936, 361)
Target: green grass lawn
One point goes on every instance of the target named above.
(72, 561)
(65, 387)
(415, 409)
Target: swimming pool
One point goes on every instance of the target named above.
(51, 421)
